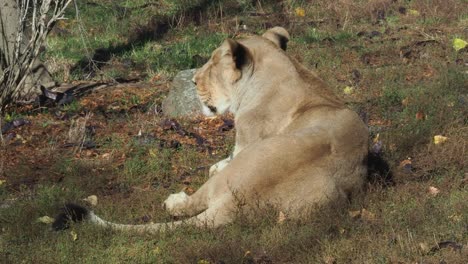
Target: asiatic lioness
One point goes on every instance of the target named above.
(297, 145)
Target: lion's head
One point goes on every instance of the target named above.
(233, 61)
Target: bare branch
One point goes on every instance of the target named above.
(41, 21)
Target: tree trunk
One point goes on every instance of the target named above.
(9, 28)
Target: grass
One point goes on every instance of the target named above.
(408, 93)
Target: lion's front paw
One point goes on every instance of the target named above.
(175, 203)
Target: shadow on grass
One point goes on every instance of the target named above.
(154, 30)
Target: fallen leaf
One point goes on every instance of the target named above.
(413, 12)
(202, 261)
(105, 156)
(300, 12)
(281, 217)
(188, 190)
(152, 153)
(92, 200)
(420, 115)
(424, 247)
(45, 219)
(376, 138)
(459, 44)
(348, 90)
(433, 191)
(2, 182)
(329, 260)
(354, 214)
(74, 235)
(438, 139)
(406, 165)
(405, 101)
(455, 218)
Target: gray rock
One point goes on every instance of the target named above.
(182, 100)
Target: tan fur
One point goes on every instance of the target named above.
(297, 145)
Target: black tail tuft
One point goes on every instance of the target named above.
(70, 213)
(378, 170)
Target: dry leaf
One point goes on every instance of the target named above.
(105, 156)
(45, 219)
(376, 138)
(74, 235)
(420, 115)
(92, 200)
(2, 182)
(433, 191)
(406, 165)
(329, 260)
(438, 139)
(354, 214)
(300, 12)
(405, 101)
(424, 247)
(455, 218)
(188, 190)
(281, 217)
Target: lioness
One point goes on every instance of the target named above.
(297, 145)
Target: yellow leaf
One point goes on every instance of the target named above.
(300, 12)
(92, 200)
(74, 235)
(45, 220)
(413, 12)
(2, 182)
(202, 261)
(459, 44)
(438, 139)
(376, 138)
(348, 90)
(152, 153)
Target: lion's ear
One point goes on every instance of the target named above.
(277, 35)
(236, 56)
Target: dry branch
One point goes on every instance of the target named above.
(37, 17)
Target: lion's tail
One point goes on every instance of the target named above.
(75, 213)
